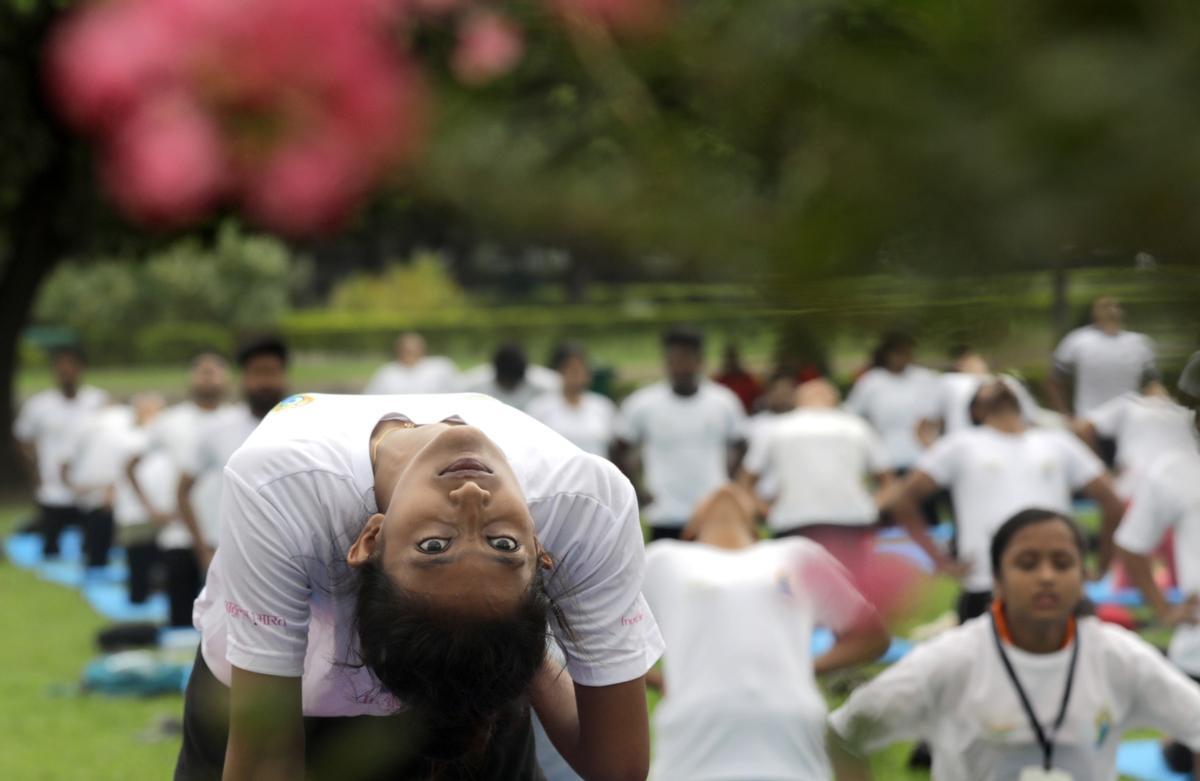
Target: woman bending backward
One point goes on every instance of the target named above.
(384, 576)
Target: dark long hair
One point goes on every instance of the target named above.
(459, 673)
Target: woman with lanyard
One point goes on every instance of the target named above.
(1029, 692)
(379, 602)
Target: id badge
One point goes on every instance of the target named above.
(1038, 774)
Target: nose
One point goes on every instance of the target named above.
(1046, 573)
(470, 496)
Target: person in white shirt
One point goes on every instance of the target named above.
(586, 418)
(740, 692)
(689, 431)
(398, 559)
(413, 371)
(91, 472)
(263, 363)
(511, 379)
(138, 517)
(1143, 427)
(42, 428)
(1167, 498)
(993, 471)
(1103, 361)
(950, 410)
(168, 443)
(824, 458)
(1029, 691)
(777, 400)
(894, 396)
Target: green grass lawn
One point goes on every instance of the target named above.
(52, 732)
(49, 731)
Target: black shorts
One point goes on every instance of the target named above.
(350, 748)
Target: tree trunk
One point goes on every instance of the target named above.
(36, 248)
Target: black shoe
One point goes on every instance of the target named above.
(920, 758)
(1178, 757)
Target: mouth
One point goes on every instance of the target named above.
(1046, 600)
(466, 467)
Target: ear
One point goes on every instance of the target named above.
(544, 559)
(369, 540)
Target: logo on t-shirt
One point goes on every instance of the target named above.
(1103, 726)
(291, 402)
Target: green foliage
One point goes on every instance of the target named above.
(125, 310)
(421, 285)
(176, 343)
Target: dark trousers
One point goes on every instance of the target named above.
(972, 604)
(665, 533)
(98, 531)
(1177, 755)
(353, 748)
(141, 558)
(183, 583)
(52, 519)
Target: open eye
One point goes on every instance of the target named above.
(505, 544)
(433, 545)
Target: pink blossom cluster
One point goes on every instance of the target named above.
(293, 110)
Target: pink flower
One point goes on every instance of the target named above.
(104, 57)
(307, 187)
(489, 45)
(295, 107)
(164, 163)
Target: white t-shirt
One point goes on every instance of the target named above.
(684, 442)
(173, 434)
(298, 493)
(1144, 427)
(96, 447)
(1104, 366)
(218, 435)
(993, 476)
(538, 381)
(741, 698)
(758, 429)
(431, 374)
(952, 402)
(1168, 497)
(47, 419)
(156, 474)
(589, 425)
(953, 691)
(822, 458)
(895, 404)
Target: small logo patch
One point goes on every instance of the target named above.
(292, 402)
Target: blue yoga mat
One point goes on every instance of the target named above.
(111, 600)
(822, 641)
(909, 550)
(75, 575)
(1103, 593)
(1142, 759)
(943, 532)
(25, 550)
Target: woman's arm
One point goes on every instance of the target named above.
(862, 644)
(602, 731)
(847, 765)
(266, 728)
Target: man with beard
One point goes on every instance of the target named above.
(263, 363)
